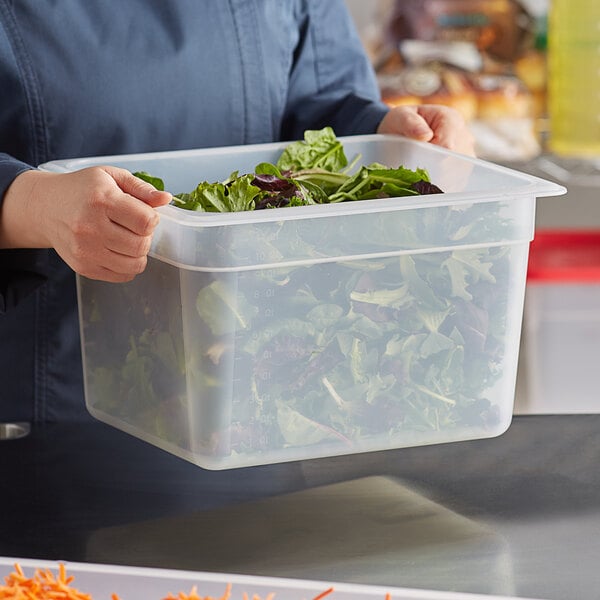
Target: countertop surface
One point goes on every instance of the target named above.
(515, 515)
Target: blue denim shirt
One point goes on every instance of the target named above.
(105, 77)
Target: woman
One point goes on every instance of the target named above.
(101, 77)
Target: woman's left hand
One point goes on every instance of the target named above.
(433, 123)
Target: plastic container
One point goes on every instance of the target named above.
(303, 332)
(139, 583)
(562, 323)
(574, 77)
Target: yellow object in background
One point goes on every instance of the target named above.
(574, 77)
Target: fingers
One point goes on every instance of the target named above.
(433, 123)
(110, 266)
(406, 121)
(100, 220)
(138, 188)
(103, 248)
(123, 222)
(450, 129)
(122, 241)
(130, 213)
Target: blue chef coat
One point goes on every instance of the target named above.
(105, 77)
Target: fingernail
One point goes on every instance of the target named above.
(420, 129)
(422, 133)
(160, 195)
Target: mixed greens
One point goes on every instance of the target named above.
(310, 171)
(401, 348)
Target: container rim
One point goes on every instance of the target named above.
(531, 186)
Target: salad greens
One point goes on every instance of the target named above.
(379, 351)
(310, 171)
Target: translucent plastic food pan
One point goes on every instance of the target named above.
(301, 332)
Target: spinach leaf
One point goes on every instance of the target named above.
(319, 149)
(236, 194)
(157, 182)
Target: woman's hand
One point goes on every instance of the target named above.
(433, 123)
(100, 220)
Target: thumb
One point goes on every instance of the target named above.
(138, 188)
(406, 120)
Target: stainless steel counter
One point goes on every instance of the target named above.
(517, 515)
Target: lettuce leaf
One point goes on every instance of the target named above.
(309, 171)
(319, 149)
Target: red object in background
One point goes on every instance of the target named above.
(565, 256)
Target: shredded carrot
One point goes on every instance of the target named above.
(193, 595)
(323, 594)
(44, 585)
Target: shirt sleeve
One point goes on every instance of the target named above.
(332, 82)
(21, 271)
(9, 168)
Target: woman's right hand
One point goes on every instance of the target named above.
(100, 220)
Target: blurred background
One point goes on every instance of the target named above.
(486, 58)
(525, 74)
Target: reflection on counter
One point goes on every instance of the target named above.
(13, 431)
(372, 530)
